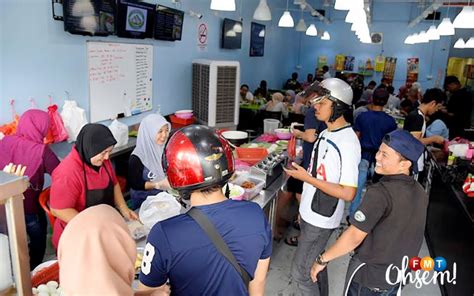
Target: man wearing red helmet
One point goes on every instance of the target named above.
(198, 163)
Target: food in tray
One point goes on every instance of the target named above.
(138, 261)
(247, 185)
(137, 230)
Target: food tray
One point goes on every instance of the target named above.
(249, 193)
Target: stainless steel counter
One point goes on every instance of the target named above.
(62, 149)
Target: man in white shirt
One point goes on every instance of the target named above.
(331, 179)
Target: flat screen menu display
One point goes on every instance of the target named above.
(135, 19)
(168, 23)
(89, 17)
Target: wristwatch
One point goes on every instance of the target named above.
(320, 261)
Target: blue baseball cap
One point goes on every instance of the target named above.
(404, 143)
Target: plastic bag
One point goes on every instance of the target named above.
(10, 128)
(57, 128)
(74, 119)
(120, 132)
(157, 208)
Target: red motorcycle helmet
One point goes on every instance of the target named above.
(196, 157)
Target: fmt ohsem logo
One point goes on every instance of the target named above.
(426, 270)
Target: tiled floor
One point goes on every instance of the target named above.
(278, 278)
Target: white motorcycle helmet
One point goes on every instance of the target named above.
(334, 89)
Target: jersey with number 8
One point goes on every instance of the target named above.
(148, 255)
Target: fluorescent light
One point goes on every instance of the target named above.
(446, 28)
(432, 33)
(312, 31)
(459, 44)
(301, 26)
(262, 13)
(286, 20)
(465, 19)
(223, 5)
(415, 38)
(408, 40)
(326, 36)
(469, 43)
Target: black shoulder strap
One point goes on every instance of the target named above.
(218, 242)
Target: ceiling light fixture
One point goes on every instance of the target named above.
(326, 36)
(465, 19)
(469, 43)
(262, 13)
(312, 31)
(286, 21)
(223, 5)
(459, 44)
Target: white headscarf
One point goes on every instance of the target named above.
(147, 150)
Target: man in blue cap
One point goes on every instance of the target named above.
(389, 223)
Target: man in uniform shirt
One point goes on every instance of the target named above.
(198, 163)
(330, 180)
(459, 107)
(389, 223)
(415, 122)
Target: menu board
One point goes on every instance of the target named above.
(120, 79)
(168, 23)
(257, 40)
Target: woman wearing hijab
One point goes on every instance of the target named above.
(85, 178)
(276, 104)
(97, 254)
(26, 147)
(290, 96)
(145, 174)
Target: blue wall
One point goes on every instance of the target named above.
(38, 58)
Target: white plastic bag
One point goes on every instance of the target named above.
(120, 132)
(157, 208)
(74, 119)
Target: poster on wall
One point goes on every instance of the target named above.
(412, 69)
(366, 68)
(322, 61)
(349, 63)
(257, 40)
(340, 59)
(379, 63)
(389, 70)
(202, 37)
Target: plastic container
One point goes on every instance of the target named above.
(179, 122)
(270, 125)
(251, 155)
(249, 192)
(283, 133)
(184, 114)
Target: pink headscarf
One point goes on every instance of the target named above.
(97, 254)
(26, 147)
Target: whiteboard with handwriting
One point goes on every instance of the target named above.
(120, 79)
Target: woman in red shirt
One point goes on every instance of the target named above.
(86, 178)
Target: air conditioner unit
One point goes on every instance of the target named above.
(215, 92)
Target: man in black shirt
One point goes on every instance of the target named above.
(459, 107)
(416, 120)
(389, 223)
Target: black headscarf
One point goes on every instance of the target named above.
(92, 140)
